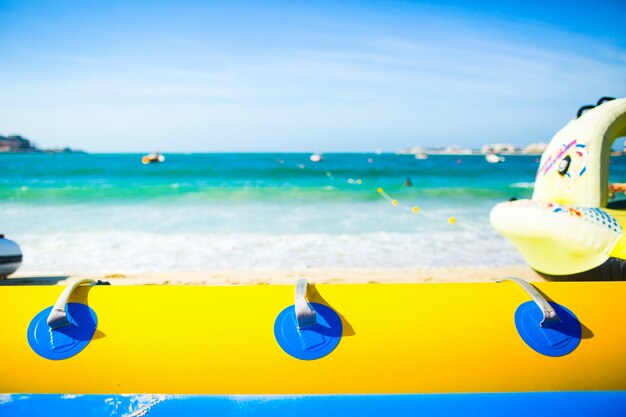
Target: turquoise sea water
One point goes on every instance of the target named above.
(246, 178)
(86, 213)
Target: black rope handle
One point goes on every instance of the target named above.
(591, 106)
(604, 100)
(584, 109)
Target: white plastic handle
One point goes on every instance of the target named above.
(549, 315)
(58, 315)
(305, 315)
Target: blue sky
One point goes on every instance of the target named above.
(302, 76)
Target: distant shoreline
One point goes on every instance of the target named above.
(427, 153)
(16, 144)
(71, 151)
(470, 152)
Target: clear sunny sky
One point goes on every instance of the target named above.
(302, 76)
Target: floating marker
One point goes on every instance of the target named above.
(359, 182)
(396, 203)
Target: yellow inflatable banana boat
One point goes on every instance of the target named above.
(434, 349)
(569, 230)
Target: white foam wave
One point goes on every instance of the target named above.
(133, 252)
(523, 185)
(90, 239)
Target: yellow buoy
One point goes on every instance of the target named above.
(415, 210)
(451, 220)
(380, 190)
(394, 202)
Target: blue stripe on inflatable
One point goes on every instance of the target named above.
(510, 404)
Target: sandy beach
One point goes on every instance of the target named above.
(289, 276)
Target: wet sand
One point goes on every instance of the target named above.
(289, 276)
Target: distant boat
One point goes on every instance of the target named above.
(316, 157)
(492, 158)
(152, 158)
(421, 155)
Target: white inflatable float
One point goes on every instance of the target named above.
(569, 230)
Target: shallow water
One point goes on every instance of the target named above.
(107, 212)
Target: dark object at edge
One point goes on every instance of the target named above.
(614, 269)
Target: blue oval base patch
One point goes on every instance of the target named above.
(311, 342)
(63, 342)
(558, 339)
